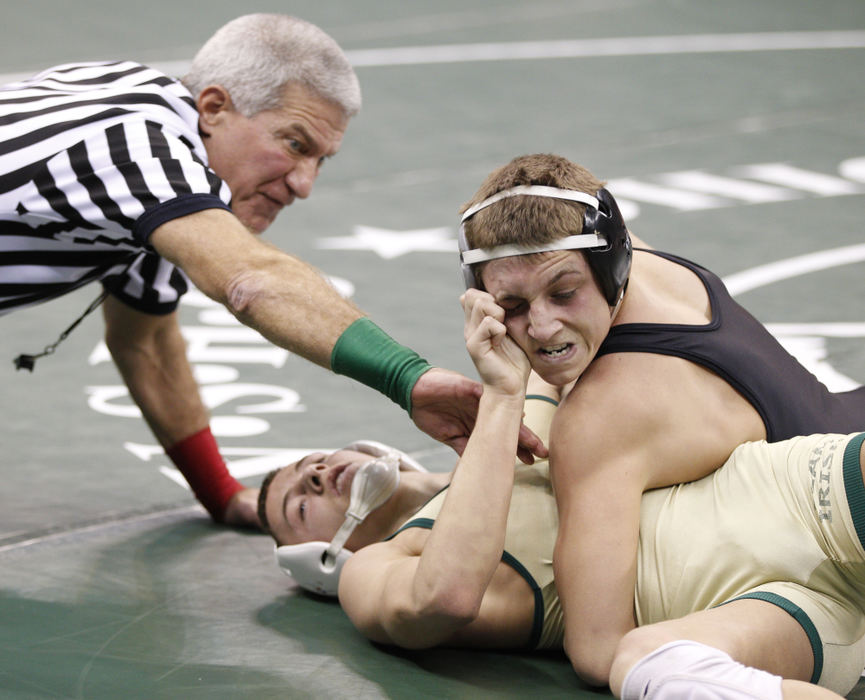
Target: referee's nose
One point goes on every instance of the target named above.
(302, 176)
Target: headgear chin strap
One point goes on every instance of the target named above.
(316, 566)
(605, 238)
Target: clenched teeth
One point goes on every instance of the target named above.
(556, 350)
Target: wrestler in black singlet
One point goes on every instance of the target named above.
(738, 348)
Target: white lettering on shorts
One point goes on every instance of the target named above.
(820, 470)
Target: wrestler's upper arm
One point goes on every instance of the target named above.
(375, 592)
(603, 447)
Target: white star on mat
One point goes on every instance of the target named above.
(389, 243)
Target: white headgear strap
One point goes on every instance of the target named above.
(587, 240)
(316, 566)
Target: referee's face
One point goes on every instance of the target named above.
(271, 158)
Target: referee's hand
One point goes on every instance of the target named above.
(242, 510)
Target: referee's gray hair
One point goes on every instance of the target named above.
(255, 56)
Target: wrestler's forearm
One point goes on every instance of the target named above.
(466, 543)
(419, 593)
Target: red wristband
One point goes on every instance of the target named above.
(198, 459)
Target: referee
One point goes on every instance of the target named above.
(117, 173)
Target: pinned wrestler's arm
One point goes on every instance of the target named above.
(422, 589)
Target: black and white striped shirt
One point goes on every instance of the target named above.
(93, 158)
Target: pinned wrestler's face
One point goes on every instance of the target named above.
(554, 310)
(307, 500)
(273, 157)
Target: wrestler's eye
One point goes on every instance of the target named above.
(565, 295)
(302, 510)
(513, 308)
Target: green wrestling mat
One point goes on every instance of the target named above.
(731, 133)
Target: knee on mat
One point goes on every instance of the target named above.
(686, 669)
(635, 645)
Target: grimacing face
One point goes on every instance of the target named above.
(307, 500)
(273, 157)
(554, 310)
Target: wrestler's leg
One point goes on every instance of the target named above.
(754, 633)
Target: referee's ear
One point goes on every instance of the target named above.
(213, 104)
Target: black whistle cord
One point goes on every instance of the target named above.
(29, 361)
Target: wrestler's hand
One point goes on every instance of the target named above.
(242, 510)
(501, 363)
(445, 405)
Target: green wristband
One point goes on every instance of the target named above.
(366, 353)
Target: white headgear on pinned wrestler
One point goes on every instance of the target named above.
(316, 566)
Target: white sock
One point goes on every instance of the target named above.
(686, 670)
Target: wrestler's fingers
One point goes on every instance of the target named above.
(470, 297)
(487, 333)
(478, 306)
(495, 330)
(477, 303)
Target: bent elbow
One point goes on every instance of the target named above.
(449, 610)
(244, 291)
(458, 608)
(455, 598)
(592, 673)
(589, 662)
(432, 620)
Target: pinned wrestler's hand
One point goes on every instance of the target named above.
(445, 406)
(242, 510)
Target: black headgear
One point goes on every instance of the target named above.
(605, 238)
